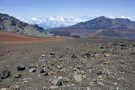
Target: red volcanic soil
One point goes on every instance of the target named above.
(7, 37)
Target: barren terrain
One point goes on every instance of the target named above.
(72, 64)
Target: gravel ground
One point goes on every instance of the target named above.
(75, 64)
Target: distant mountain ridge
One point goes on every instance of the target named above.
(102, 26)
(11, 24)
(107, 23)
(98, 27)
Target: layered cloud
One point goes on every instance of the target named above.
(58, 21)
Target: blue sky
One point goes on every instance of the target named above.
(66, 8)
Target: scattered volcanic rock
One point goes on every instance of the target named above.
(98, 69)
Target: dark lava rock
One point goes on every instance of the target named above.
(52, 53)
(123, 45)
(4, 74)
(101, 47)
(59, 83)
(43, 72)
(99, 73)
(86, 55)
(20, 68)
(74, 56)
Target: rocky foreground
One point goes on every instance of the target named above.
(77, 64)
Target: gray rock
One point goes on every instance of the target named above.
(32, 70)
(18, 75)
(78, 77)
(57, 81)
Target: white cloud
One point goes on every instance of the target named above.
(34, 19)
(126, 17)
(62, 18)
(51, 18)
(57, 21)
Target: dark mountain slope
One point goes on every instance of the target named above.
(105, 23)
(101, 25)
(11, 24)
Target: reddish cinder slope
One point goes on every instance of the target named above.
(7, 37)
(12, 37)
